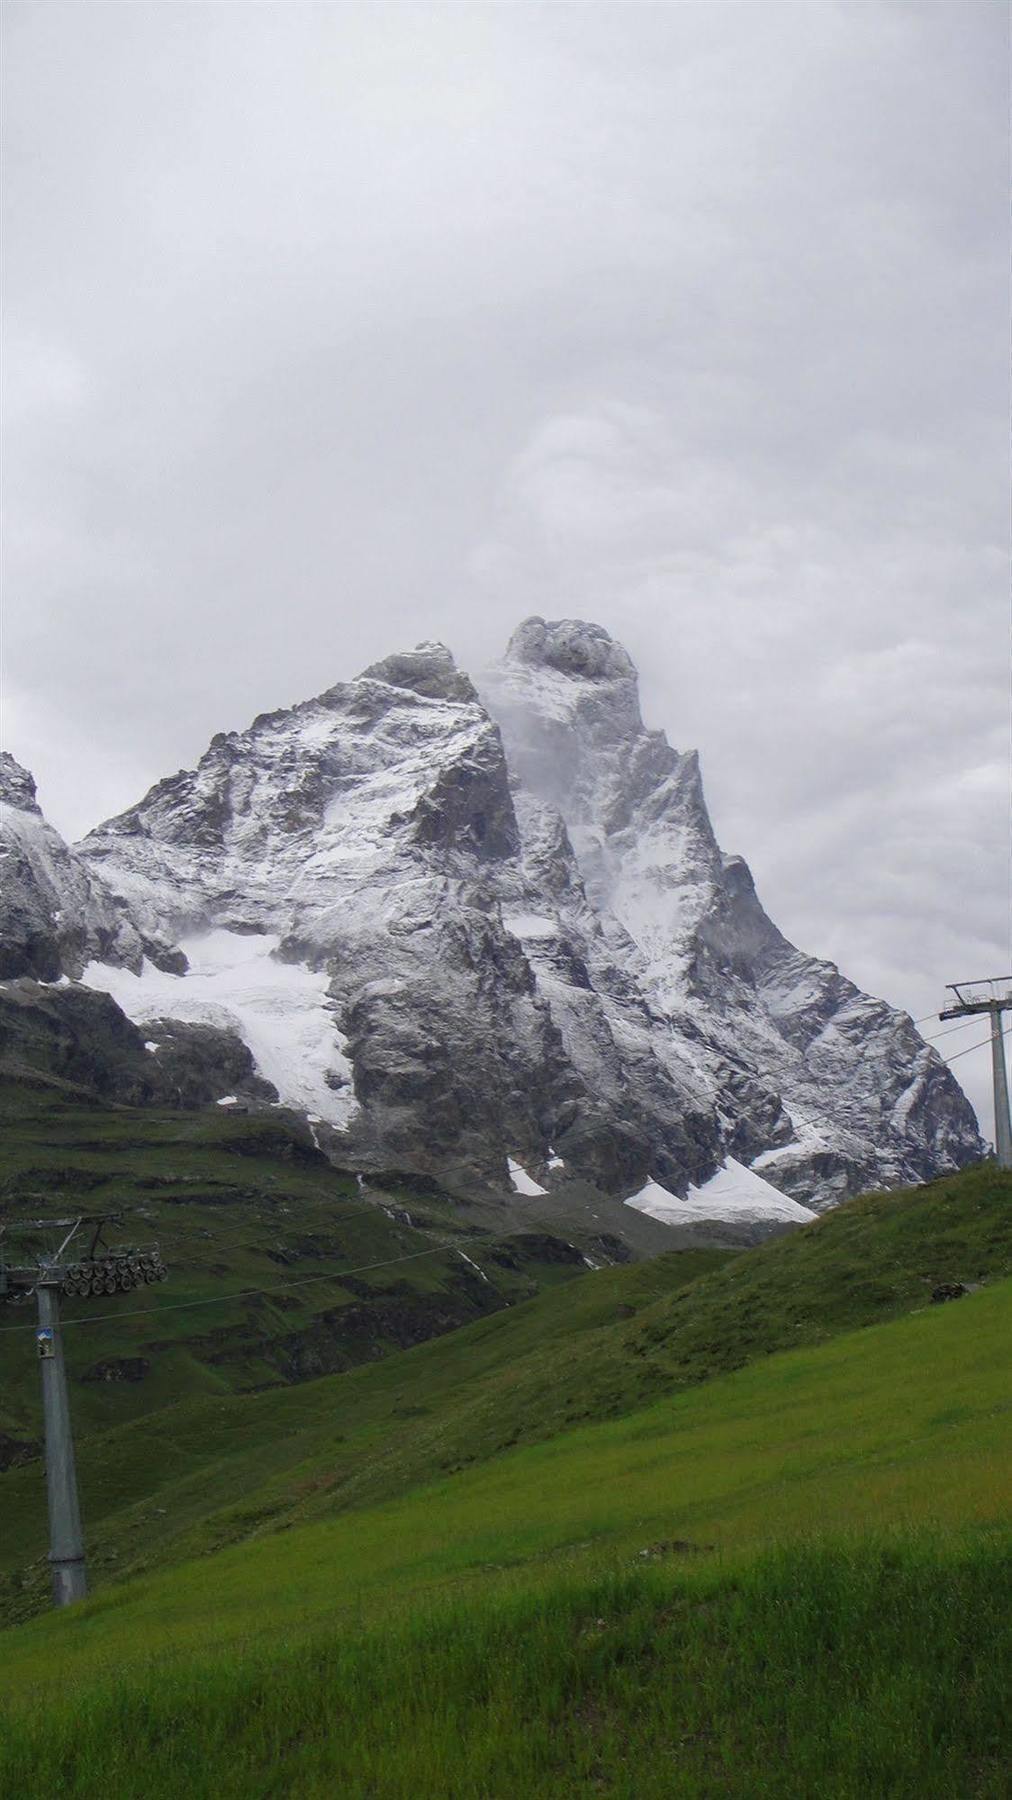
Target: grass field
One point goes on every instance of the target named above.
(504, 1625)
(836, 1673)
(713, 1524)
(219, 1467)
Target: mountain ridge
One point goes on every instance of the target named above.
(470, 935)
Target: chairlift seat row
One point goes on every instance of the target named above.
(115, 1271)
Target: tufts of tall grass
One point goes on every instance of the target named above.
(841, 1672)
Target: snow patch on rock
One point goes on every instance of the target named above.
(522, 1182)
(734, 1193)
(530, 925)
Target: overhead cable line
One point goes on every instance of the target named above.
(277, 1287)
(983, 1044)
(948, 1032)
(452, 1245)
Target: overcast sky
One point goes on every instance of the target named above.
(333, 327)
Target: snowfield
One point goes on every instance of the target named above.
(280, 1010)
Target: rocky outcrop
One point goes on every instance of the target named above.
(56, 914)
(196, 1064)
(82, 1037)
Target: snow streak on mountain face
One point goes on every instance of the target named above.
(495, 940)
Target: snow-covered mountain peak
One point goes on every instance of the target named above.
(399, 768)
(569, 674)
(566, 697)
(764, 1022)
(466, 933)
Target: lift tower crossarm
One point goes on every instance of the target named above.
(995, 1002)
(974, 1006)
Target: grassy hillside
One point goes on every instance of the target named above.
(705, 1525)
(217, 1468)
(637, 1607)
(240, 1203)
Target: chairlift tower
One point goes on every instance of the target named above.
(103, 1271)
(994, 997)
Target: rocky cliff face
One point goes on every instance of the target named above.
(822, 1088)
(56, 914)
(463, 933)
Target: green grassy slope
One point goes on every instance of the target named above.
(604, 1581)
(237, 1203)
(218, 1468)
(841, 1674)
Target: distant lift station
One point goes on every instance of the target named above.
(992, 996)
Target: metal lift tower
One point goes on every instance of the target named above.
(994, 997)
(102, 1271)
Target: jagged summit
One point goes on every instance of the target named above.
(573, 647)
(17, 785)
(463, 933)
(428, 669)
(562, 670)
